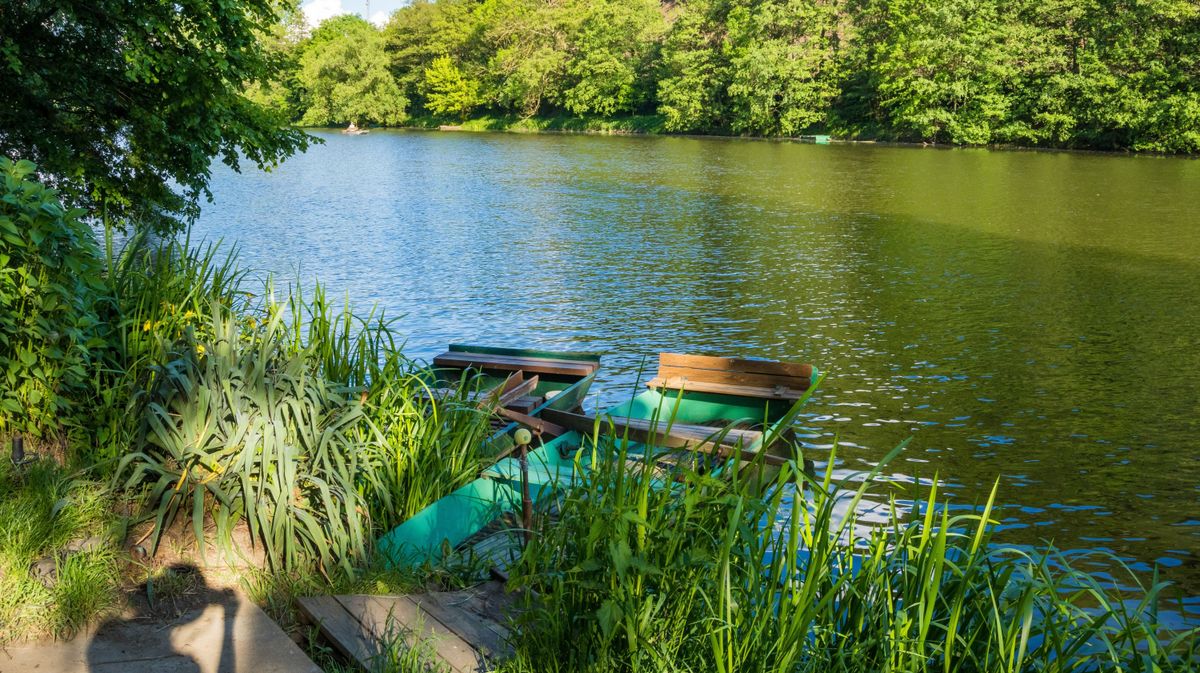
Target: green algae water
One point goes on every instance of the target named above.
(1028, 317)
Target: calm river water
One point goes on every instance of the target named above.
(1032, 317)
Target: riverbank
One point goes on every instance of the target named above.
(654, 125)
(511, 123)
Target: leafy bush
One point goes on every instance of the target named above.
(239, 424)
(303, 422)
(50, 286)
(161, 292)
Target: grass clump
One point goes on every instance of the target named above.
(299, 419)
(58, 561)
(697, 577)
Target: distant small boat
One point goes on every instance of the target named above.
(353, 130)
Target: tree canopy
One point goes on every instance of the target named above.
(1105, 74)
(346, 79)
(123, 106)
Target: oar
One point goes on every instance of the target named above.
(523, 438)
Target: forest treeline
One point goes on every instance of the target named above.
(1103, 74)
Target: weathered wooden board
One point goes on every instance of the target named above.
(777, 393)
(342, 630)
(462, 628)
(224, 633)
(734, 378)
(698, 438)
(771, 367)
(514, 363)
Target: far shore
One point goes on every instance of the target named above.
(651, 125)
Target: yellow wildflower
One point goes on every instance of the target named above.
(200, 349)
(146, 326)
(189, 314)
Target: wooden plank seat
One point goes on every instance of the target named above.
(700, 438)
(512, 363)
(733, 376)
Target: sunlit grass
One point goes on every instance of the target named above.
(58, 562)
(699, 577)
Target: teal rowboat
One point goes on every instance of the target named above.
(513, 382)
(698, 407)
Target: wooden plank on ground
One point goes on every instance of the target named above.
(223, 633)
(360, 626)
(470, 627)
(342, 628)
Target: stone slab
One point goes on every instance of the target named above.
(228, 634)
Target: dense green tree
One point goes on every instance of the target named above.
(1061, 73)
(530, 42)
(611, 47)
(345, 75)
(420, 32)
(124, 105)
(447, 91)
(783, 63)
(1137, 74)
(695, 77)
(283, 42)
(942, 72)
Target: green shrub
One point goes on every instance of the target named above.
(162, 291)
(50, 285)
(302, 421)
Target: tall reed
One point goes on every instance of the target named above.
(697, 577)
(303, 420)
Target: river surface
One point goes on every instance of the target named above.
(1027, 317)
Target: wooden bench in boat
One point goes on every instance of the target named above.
(512, 363)
(765, 379)
(701, 438)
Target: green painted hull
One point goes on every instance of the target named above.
(552, 467)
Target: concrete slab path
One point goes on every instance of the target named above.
(226, 634)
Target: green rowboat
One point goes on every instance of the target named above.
(698, 408)
(512, 383)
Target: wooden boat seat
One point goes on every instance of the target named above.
(690, 432)
(733, 376)
(512, 363)
(702, 438)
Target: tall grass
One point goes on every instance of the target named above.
(45, 513)
(158, 293)
(298, 418)
(697, 578)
